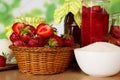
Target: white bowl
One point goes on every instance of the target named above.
(98, 63)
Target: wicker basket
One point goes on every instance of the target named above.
(41, 60)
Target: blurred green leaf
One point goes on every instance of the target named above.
(7, 20)
(46, 4)
(2, 35)
(15, 4)
(6, 17)
(50, 12)
(34, 12)
(115, 6)
(61, 2)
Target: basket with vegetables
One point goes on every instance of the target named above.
(39, 50)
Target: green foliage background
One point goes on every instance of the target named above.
(6, 17)
(115, 6)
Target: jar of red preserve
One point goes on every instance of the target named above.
(95, 20)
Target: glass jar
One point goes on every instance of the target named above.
(71, 28)
(95, 20)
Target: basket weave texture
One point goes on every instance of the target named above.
(41, 60)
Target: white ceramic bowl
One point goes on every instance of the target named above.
(98, 64)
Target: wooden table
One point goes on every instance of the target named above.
(74, 73)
